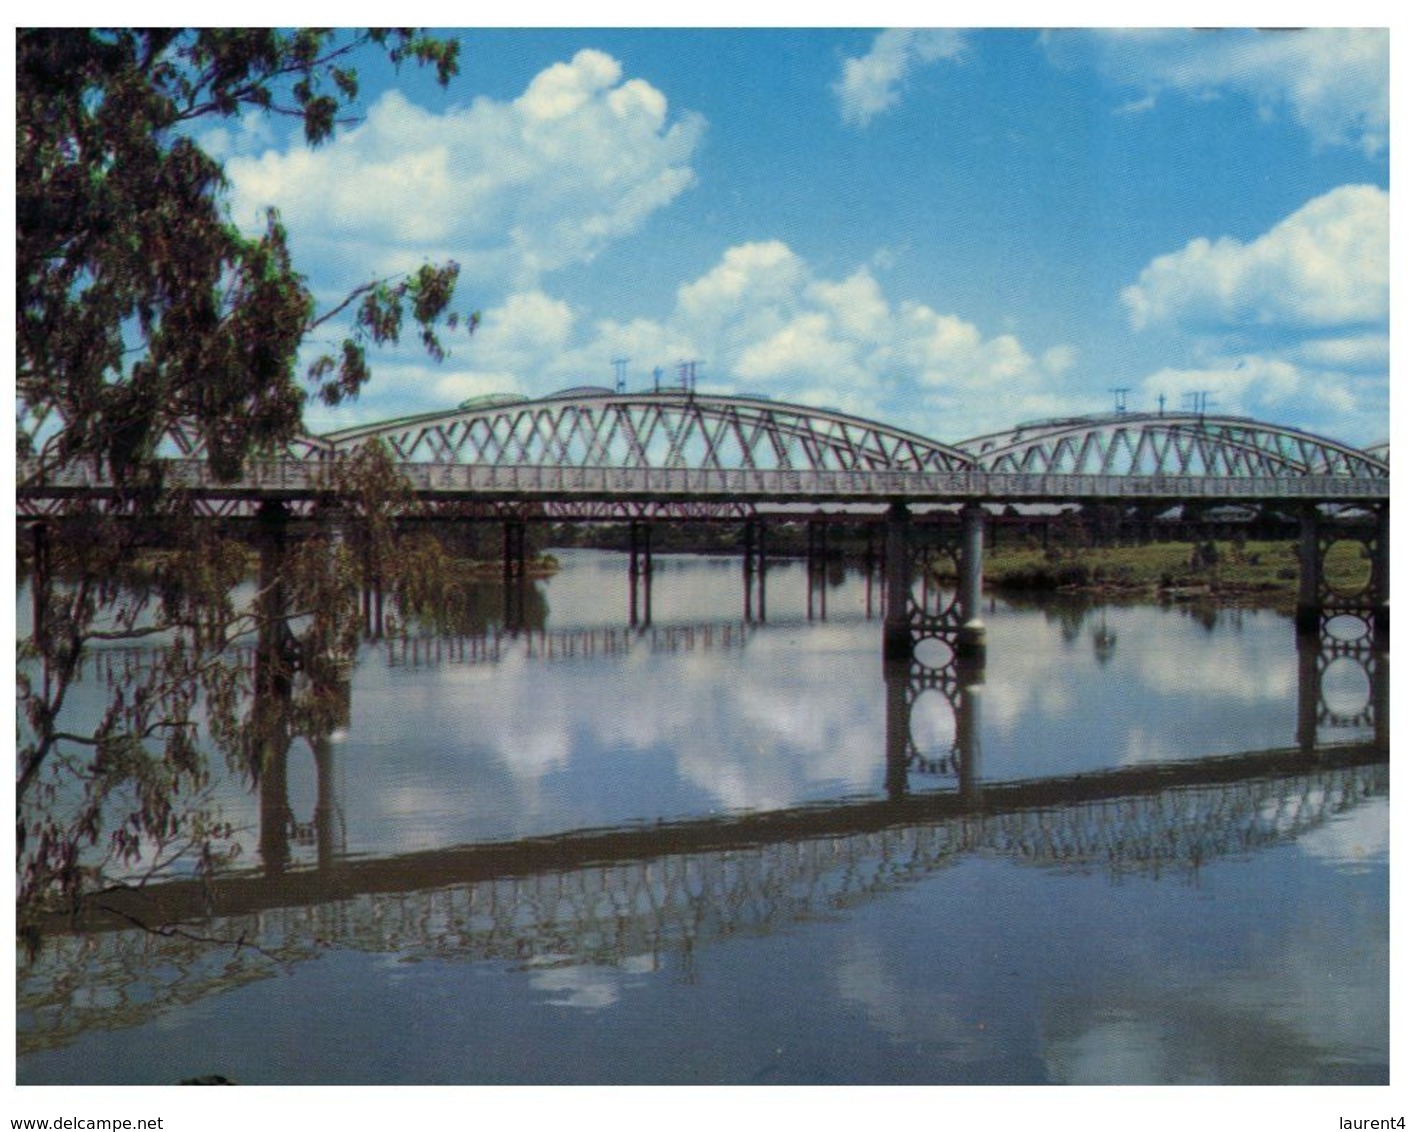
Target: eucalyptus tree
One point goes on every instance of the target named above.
(142, 310)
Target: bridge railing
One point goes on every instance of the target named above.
(546, 482)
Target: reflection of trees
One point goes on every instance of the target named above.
(1070, 616)
(477, 606)
(121, 790)
(127, 794)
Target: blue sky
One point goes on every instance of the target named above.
(950, 230)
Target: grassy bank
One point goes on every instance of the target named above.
(1266, 571)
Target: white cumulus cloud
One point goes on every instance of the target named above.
(512, 190)
(762, 321)
(871, 83)
(1349, 407)
(1325, 265)
(1291, 325)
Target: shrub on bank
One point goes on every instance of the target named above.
(1255, 567)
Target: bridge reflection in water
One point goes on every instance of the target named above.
(650, 896)
(569, 901)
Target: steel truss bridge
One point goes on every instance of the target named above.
(653, 895)
(592, 453)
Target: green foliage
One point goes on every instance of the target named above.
(143, 311)
(1205, 555)
(140, 306)
(413, 567)
(1263, 567)
(128, 792)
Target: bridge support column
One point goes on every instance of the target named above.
(1381, 574)
(897, 641)
(329, 816)
(513, 549)
(971, 582)
(514, 577)
(897, 676)
(971, 683)
(1308, 611)
(816, 570)
(754, 546)
(274, 802)
(275, 658)
(754, 571)
(1310, 690)
(274, 679)
(872, 565)
(641, 572)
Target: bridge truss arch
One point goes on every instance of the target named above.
(599, 428)
(1143, 444)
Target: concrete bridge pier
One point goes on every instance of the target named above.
(967, 713)
(274, 680)
(871, 566)
(514, 574)
(1381, 567)
(754, 546)
(641, 573)
(1382, 705)
(961, 683)
(1318, 655)
(274, 804)
(275, 644)
(329, 812)
(754, 571)
(967, 636)
(897, 679)
(816, 570)
(1308, 610)
(1318, 597)
(1309, 651)
(513, 549)
(971, 638)
(897, 640)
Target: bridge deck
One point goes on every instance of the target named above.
(296, 480)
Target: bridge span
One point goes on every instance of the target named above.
(594, 444)
(591, 454)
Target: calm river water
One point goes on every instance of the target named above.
(1143, 845)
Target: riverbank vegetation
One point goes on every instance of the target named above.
(1237, 568)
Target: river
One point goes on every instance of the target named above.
(1140, 845)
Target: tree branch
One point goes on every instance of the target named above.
(172, 931)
